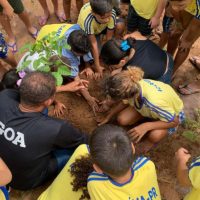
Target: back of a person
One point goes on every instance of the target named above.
(27, 138)
(150, 58)
(61, 188)
(104, 188)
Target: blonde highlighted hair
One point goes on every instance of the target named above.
(125, 84)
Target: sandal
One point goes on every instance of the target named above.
(187, 90)
(35, 34)
(193, 61)
(43, 20)
(13, 47)
(61, 17)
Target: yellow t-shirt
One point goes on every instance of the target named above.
(61, 188)
(145, 9)
(59, 29)
(194, 8)
(3, 193)
(159, 101)
(194, 175)
(88, 23)
(142, 185)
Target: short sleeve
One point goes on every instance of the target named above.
(112, 22)
(88, 24)
(194, 173)
(88, 57)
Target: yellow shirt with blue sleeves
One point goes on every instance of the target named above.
(159, 101)
(61, 188)
(90, 25)
(194, 176)
(145, 9)
(3, 193)
(194, 8)
(142, 185)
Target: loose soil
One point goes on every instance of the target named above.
(80, 115)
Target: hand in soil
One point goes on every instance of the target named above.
(93, 102)
(59, 109)
(88, 72)
(76, 85)
(137, 133)
(182, 155)
(102, 120)
(99, 73)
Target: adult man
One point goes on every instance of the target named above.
(29, 140)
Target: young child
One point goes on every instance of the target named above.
(137, 50)
(5, 53)
(144, 98)
(188, 176)
(95, 18)
(108, 169)
(144, 16)
(11, 80)
(5, 178)
(77, 46)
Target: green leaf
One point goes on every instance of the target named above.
(25, 48)
(190, 135)
(58, 77)
(36, 64)
(24, 65)
(64, 70)
(45, 68)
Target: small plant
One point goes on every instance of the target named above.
(50, 45)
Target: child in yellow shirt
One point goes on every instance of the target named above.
(144, 98)
(105, 170)
(188, 176)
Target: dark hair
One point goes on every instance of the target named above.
(10, 79)
(79, 42)
(125, 84)
(111, 150)
(112, 52)
(80, 170)
(101, 7)
(125, 1)
(37, 87)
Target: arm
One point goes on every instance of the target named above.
(7, 8)
(5, 174)
(182, 157)
(58, 108)
(95, 53)
(109, 34)
(155, 20)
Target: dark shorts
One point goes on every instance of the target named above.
(167, 21)
(136, 22)
(16, 5)
(3, 47)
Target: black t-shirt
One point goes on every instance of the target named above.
(27, 141)
(150, 58)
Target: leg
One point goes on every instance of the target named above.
(191, 88)
(132, 20)
(128, 116)
(5, 22)
(79, 5)
(163, 40)
(144, 27)
(156, 136)
(10, 59)
(60, 15)
(67, 7)
(43, 19)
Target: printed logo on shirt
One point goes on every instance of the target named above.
(150, 196)
(10, 135)
(153, 84)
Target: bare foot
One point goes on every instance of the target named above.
(191, 88)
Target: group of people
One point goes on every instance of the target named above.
(36, 148)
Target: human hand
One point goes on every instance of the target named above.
(93, 102)
(99, 72)
(136, 133)
(88, 72)
(75, 85)
(102, 120)
(182, 155)
(154, 22)
(59, 109)
(8, 11)
(104, 106)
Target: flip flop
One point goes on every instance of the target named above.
(187, 90)
(61, 17)
(43, 20)
(13, 47)
(34, 35)
(193, 61)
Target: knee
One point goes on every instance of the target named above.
(122, 121)
(157, 135)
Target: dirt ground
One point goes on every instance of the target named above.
(81, 116)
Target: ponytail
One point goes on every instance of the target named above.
(125, 84)
(114, 50)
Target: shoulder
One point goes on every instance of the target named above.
(11, 94)
(97, 177)
(143, 163)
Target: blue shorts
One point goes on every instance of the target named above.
(181, 117)
(3, 47)
(166, 77)
(167, 21)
